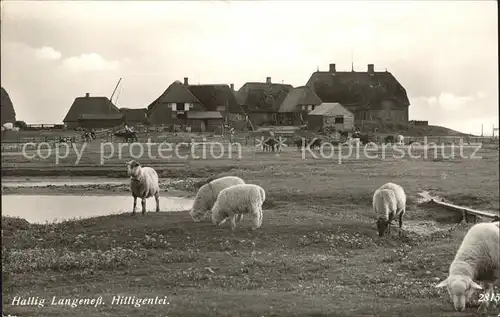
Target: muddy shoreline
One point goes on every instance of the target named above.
(184, 188)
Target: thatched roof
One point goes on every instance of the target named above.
(358, 88)
(90, 106)
(215, 96)
(204, 115)
(298, 97)
(176, 92)
(262, 96)
(8, 114)
(134, 114)
(330, 109)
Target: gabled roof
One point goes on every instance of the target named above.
(263, 96)
(214, 96)
(330, 109)
(361, 88)
(90, 105)
(297, 97)
(134, 114)
(204, 115)
(176, 92)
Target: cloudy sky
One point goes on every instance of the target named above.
(444, 53)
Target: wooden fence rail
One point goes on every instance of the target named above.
(468, 211)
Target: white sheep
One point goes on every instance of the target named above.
(143, 184)
(207, 195)
(478, 259)
(237, 200)
(389, 202)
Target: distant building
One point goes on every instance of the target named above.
(369, 95)
(134, 116)
(93, 112)
(330, 115)
(261, 101)
(8, 113)
(178, 106)
(219, 98)
(297, 104)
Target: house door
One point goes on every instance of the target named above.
(203, 125)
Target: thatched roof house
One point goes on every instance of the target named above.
(369, 95)
(261, 101)
(171, 106)
(262, 97)
(93, 112)
(299, 101)
(8, 113)
(197, 106)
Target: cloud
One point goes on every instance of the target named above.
(449, 101)
(89, 62)
(47, 52)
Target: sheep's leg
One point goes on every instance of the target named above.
(260, 216)
(135, 205)
(232, 222)
(143, 203)
(157, 198)
(401, 223)
(257, 218)
(239, 217)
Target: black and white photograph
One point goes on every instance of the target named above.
(250, 158)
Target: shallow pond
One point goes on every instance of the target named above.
(39, 208)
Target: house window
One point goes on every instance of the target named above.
(180, 106)
(339, 120)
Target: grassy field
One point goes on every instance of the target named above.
(317, 253)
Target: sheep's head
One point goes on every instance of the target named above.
(133, 168)
(196, 216)
(202, 203)
(460, 288)
(382, 225)
(218, 218)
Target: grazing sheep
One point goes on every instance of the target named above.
(237, 200)
(207, 195)
(478, 259)
(143, 184)
(389, 202)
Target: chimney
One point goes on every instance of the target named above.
(87, 95)
(268, 80)
(332, 68)
(232, 87)
(186, 81)
(371, 69)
